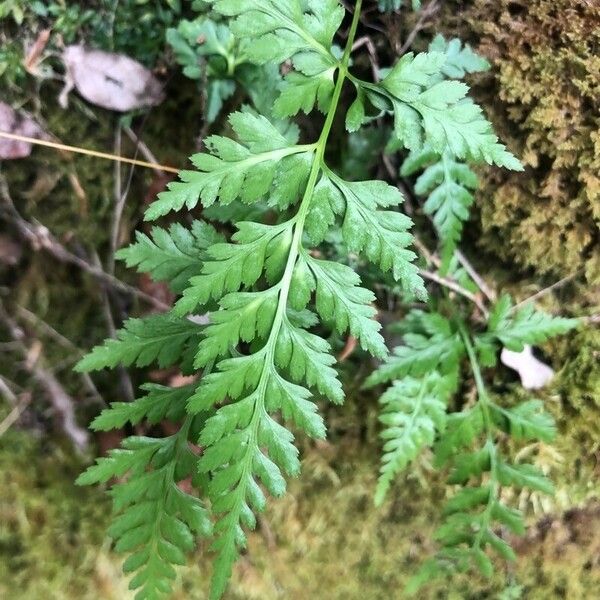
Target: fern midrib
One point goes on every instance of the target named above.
(388, 470)
(169, 479)
(484, 402)
(260, 157)
(285, 284)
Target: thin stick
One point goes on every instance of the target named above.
(14, 414)
(427, 12)
(143, 148)
(36, 321)
(41, 238)
(105, 155)
(489, 293)
(120, 199)
(548, 289)
(455, 287)
(7, 392)
(63, 404)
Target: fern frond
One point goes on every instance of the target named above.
(413, 412)
(157, 522)
(447, 184)
(262, 159)
(275, 31)
(172, 255)
(163, 339)
(460, 59)
(429, 109)
(437, 343)
(528, 421)
(477, 509)
(382, 236)
(414, 416)
(266, 287)
(526, 325)
(160, 403)
(230, 266)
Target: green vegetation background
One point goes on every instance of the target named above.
(325, 539)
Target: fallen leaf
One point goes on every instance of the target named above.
(109, 80)
(533, 372)
(13, 122)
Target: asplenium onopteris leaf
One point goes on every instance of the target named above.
(269, 294)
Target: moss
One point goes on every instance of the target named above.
(52, 534)
(544, 98)
(323, 540)
(579, 390)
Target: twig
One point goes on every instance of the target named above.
(40, 238)
(61, 401)
(36, 321)
(141, 146)
(426, 13)
(487, 291)
(372, 51)
(7, 392)
(550, 288)
(120, 199)
(455, 287)
(76, 149)
(14, 414)
(430, 257)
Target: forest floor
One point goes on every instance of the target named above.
(60, 293)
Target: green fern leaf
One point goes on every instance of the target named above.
(527, 421)
(448, 185)
(265, 279)
(423, 351)
(157, 522)
(246, 169)
(524, 476)
(160, 403)
(275, 31)
(526, 325)
(381, 235)
(462, 429)
(159, 338)
(460, 59)
(413, 411)
(431, 110)
(172, 255)
(340, 300)
(231, 266)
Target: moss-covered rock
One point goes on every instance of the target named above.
(545, 99)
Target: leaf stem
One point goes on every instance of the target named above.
(284, 287)
(490, 444)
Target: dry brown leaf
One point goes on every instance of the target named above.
(112, 81)
(13, 122)
(533, 372)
